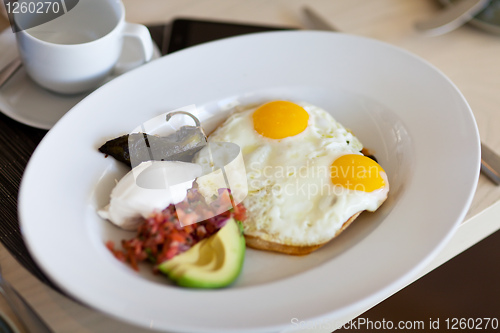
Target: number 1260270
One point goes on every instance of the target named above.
(34, 7)
(471, 323)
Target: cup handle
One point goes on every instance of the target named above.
(141, 34)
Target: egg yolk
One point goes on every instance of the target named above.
(357, 172)
(280, 119)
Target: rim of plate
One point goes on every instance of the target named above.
(248, 318)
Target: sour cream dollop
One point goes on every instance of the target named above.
(151, 186)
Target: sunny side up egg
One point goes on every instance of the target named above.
(305, 173)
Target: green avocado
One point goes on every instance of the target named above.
(214, 262)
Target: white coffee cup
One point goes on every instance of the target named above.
(75, 52)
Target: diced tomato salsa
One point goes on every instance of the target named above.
(162, 236)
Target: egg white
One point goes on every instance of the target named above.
(291, 199)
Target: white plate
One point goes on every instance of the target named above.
(407, 112)
(24, 101)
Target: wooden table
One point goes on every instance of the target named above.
(468, 56)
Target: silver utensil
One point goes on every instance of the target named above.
(451, 17)
(316, 21)
(490, 161)
(8, 71)
(490, 164)
(28, 317)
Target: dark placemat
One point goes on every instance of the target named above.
(17, 143)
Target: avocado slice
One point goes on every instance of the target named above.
(214, 262)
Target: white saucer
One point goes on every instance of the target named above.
(23, 100)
